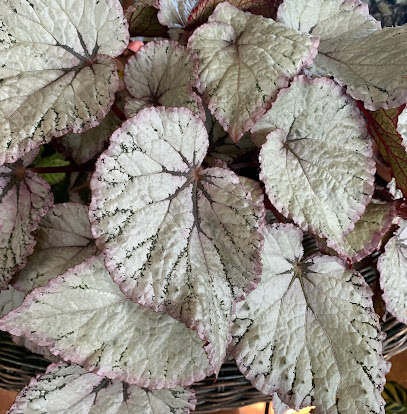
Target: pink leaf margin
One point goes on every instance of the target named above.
(281, 82)
(191, 54)
(73, 355)
(371, 167)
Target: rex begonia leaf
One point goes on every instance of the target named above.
(162, 73)
(10, 299)
(24, 199)
(392, 265)
(175, 13)
(63, 240)
(143, 19)
(57, 69)
(244, 61)
(320, 174)
(177, 237)
(369, 61)
(382, 126)
(84, 317)
(83, 147)
(70, 389)
(368, 232)
(309, 331)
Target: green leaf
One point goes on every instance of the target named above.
(54, 160)
(396, 398)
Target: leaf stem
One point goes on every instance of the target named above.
(61, 169)
(118, 112)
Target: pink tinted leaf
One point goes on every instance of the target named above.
(24, 199)
(56, 78)
(162, 73)
(71, 389)
(189, 242)
(309, 331)
(320, 174)
(85, 318)
(244, 61)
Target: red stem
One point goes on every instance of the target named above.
(61, 169)
(118, 112)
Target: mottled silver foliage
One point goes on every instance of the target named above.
(309, 331)
(71, 389)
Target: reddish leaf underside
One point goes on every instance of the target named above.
(382, 126)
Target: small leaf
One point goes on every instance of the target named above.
(309, 331)
(24, 199)
(63, 240)
(83, 147)
(189, 242)
(382, 126)
(175, 13)
(368, 232)
(57, 69)
(143, 20)
(320, 174)
(84, 317)
(392, 265)
(162, 73)
(396, 398)
(242, 57)
(87, 393)
(370, 62)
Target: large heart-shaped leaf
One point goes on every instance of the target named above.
(369, 61)
(63, 240)
(24, 199)
(84, 317)
(244, 61)
(163, 73)
(392, 265)
(87, 393)
(56, 69)
(309, 331)
(177, 237)
(320, 174)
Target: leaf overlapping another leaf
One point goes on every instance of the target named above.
(244, 61)
(309, 331)
(88, 393)
(83, 316)
(57, 69)
(177, 237)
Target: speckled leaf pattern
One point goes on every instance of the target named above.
(309, 331)
(369, 61)
(320, 174)
(392, 265)
(162, 73)
(143, 20)
(56, 67)
(24, 199)
(244, 61)
(70, 389)
(189, 241)
(175, 13)
(63, 240)
(368, 232)
(83, 147)
(10, 299)
(85, 318)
